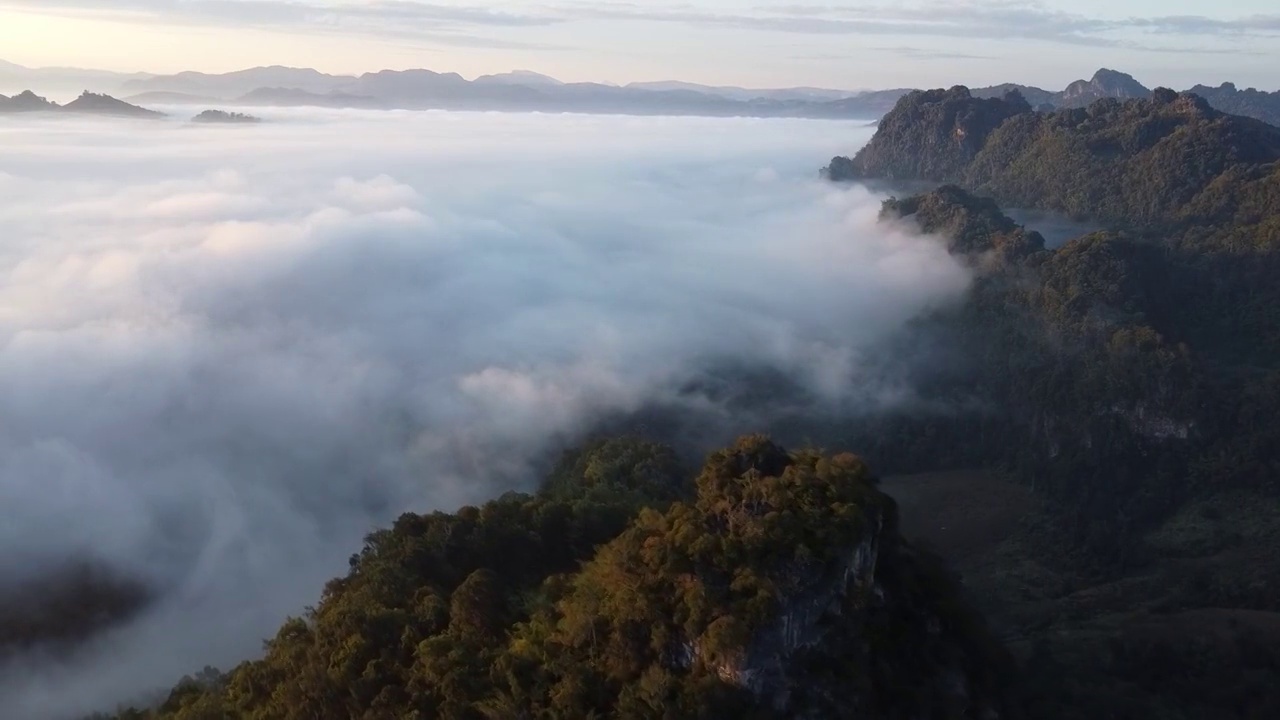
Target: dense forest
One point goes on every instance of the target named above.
(1126, 382)
(1129, 377)
(774, 585)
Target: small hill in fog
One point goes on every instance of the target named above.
(27, 101)
(95, 104)
(225, 118)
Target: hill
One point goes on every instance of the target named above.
(95, 104)
(26, 101)
(225, 118)
(520, 77)
(1104, 84)
(1226, 97)
(776, 585)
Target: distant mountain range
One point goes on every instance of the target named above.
(529, 91)
(62, 81)
(523, 90)
(517, 91)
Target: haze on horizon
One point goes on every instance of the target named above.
(844, 44)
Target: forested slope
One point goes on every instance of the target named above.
(777, 586)
(1129, 377)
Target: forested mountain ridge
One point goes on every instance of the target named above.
(1129, 377)
(777, 586)
(1163, 323)
(1137, 163)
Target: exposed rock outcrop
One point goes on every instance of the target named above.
(1104, 84)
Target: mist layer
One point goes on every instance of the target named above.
(227, 353)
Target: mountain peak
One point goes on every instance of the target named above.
(521, 77)
(97, 104)
(27, 101)
(1116, 80)
(1106, 83)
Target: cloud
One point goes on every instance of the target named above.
(470, 25)
(453, 25)
(975, 19)
(288, 12)
(228, 353)
(914, 52)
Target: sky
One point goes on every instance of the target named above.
(846, 44)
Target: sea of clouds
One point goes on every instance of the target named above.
(227, 353)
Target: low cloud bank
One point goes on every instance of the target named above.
(228, 353)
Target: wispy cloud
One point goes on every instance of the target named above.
(932, 54)
(987, 20)
(452, 25)
(482, 24)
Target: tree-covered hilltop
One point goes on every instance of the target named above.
(777, 586)
(222, 117)
(98, 104)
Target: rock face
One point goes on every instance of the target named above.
(840, 592)
(87, 104)
(1105, 84)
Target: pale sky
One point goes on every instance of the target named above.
(830, 43)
